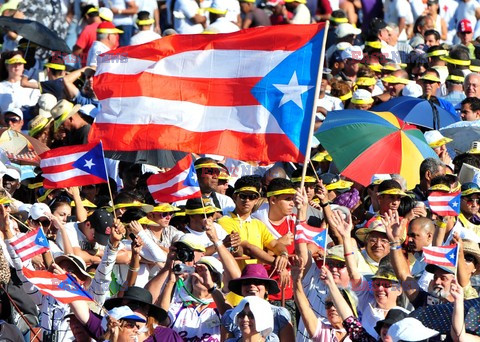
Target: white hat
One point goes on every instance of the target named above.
(17, 111)
(380, 177)
(376, 90)
(122, 312)
(346, 29)
(435, 139)
(412, 89)
(218, 7)
(410, 329)
(45, 104)
(352, 52)
(12, 173)
(39, 210)
(25, 207)
(105, 13)
(261, 310)
(342, 46)
(362, 96)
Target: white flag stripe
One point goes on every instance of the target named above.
(439, 208)
(203, 64)
(24, 242)
(65, 159)
(61, 176)
(28, 251)
(59, 293)
(246, 119)
(182, 175)
(186, 191)
(434, 199)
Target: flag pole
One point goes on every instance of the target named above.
(314, 171)
(456, 262)
(108, 182)
(23, 224)
(315, 105)
(325, 249)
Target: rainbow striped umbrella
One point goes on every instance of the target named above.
(363, 143)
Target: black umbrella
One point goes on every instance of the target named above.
(36, 33)
(160, 158)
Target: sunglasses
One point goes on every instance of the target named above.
(328, 304)
(335, 264)
(470, 258)
(250, 197)
(255, 282)
(130, 324)
(242, 314)
(471, 201)
(166, 214)
(7, 120)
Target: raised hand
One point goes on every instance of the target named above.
(344, 227)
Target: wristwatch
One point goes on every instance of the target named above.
(213, 288)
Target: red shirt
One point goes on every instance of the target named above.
(86, 39)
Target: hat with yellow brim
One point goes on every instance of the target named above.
(456, 78)
(109, 30)
(390, 67)
(308, 179)
(86, 203)
(471, 247)
(377, 67)
(210, 165)
(92, 10)
(300, 1)
(385, 276)
(247, 189)
(375, 226)
(164, 208)
(339, 185)
(435, 139)
(431, 78)
(474, 148)
(217, 10)
(145, 22)
(62, 111)
(470, 191)
(145, 207)
(201, 211)
(454, 61)
(393, 191)
(144, 220)
(366, 81)
(5, 200)
(346, 96)
(395, 80)
(44, 196)
(322, 156)
(337, 253)
(191, 241)
(56, 66)
(338, 20)
(288, 191)
(35, 185)
(223, 176)
(17, 59)
(440, 187)
(437, 53)
(440, 142)
(376, 44)
(37, 124)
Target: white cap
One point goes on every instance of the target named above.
(346, 29)
(352, 52)
(362, 96)
(13, 173)
(45, 104)
(89, 110)
(380, 177)
(17, 111)
(410, 329)
(105, 13)
(412, 89)
(218, 7)
(122, 312)
(39, 210)
(435, 139)
(377, 90)
(25, 207)
(342, 46)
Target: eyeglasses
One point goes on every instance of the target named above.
(166, 214)
(250, 197)
(12, 119)
(385, 284)
(335, 264)
(374, 240)
(470, 258)
(328, 304)
(130, 324)
(242, 314)
(471, 201)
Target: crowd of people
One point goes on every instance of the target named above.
(229, 266)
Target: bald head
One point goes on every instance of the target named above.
(273, 172)
(420, 234)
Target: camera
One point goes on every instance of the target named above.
(184, 254)
(182, 268)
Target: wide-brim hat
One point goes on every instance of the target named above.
(410, 329)
(139, 295)
(62, 111)
(471, 247)
(164, 208)
(76, 261)
(191, 241)
(431, 268)
(375, 225)
(253, 271)
(392, 191)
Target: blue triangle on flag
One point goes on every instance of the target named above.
(41, 239)
(452, 256)
(93, 162)
(73, 287)
(288, 90)
(191, 179)
(454, 203)
(321, 239)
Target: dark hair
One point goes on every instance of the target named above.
(474, 103)
(143, 15)
(124, 166)
(298, 172)
(464, 158)
(132, 214)
(443, 179)
(279, 184)
(389, 184)
(437, 37)
(86, 8)
(3, 68)
(244, 181)
(126, 197)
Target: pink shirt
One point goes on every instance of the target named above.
(326, 333)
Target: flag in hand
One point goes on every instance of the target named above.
(75, 165)
(179, 183)
(441, 255)
(444, 203)
(63, 287)
(308, 234)
(32, 243)
(252, 93)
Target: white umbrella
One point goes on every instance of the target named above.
(462, 133)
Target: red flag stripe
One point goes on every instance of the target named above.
(160, 136)
(229, 92)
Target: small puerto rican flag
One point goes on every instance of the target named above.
(444, 203)
(33, 243)
(441, 255)
(308, 234)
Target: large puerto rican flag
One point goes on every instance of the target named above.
(247, 95)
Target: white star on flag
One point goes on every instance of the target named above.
(454, 204)
(292, 91)
(89, 163)
(40, 239)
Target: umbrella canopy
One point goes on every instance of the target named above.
(363, 143)
(21, 148)
(35, 32)
(462, 133)
(160, 158)
(417, 111)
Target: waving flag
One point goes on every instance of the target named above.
(247, 95)
(444, 203)
(73, 166)
(308, 234)
(441, 255)
(177, 184)
(33, 243)
(63, 287)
